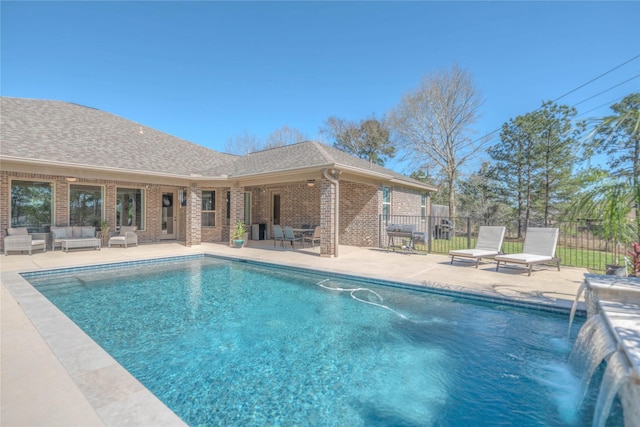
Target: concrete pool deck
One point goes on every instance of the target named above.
(52, 374)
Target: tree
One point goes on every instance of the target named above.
(618, 136)
(556, 150)
(243, 144)
(511, 169)
(534, 161)
(433, 123)
(368, 139)
(477, 197)
(246, 143)
(284, 136)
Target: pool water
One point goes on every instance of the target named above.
(231, 343)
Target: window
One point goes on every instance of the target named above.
(208, 208)
(31, 205)
(386, 202)
(423, 205)
(129, 207)
(85, 205)
(247, 207)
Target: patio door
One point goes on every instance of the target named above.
(275, 211)
(169, 216)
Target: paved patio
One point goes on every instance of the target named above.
(53, 374)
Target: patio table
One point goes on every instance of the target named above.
(87, 242)
(302, 232)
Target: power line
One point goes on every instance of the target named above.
(596, 78)
(607, 90)
(486, 136)
(602, 105)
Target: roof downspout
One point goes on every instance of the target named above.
(337, 212)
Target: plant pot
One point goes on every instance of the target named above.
(616, 270)
(238, 243)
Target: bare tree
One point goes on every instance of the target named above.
(284, 136)
(242, 144)
(246, 143)
(433, 123)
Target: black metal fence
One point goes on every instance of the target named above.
(580, 243)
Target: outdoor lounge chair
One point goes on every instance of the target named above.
(278, 235)
(488, 245)
(539, 248)
(126, 237)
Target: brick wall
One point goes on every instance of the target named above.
(405, 201)
(153, 193)
(360, 205)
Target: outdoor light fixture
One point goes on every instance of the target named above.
(71, 179)
(311, 182)
(182, 196)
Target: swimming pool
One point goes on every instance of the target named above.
(229, 343)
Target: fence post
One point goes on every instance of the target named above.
(469, 232)
(429, 233)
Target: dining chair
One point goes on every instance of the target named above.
(290, 236)
(313, 238)
(278, 235)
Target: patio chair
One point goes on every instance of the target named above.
(290, 236)
(127, 236)
(19, 239)
(488, 245)
(278, 235)
(313, 238)
(539, 248)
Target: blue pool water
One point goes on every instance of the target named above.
(230, 343)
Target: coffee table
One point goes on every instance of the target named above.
(87, 242)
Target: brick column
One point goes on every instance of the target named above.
(327, 218)
(61, 203)
(193, 232)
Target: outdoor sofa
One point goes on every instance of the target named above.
(74, 237)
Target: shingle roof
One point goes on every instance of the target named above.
(306, 155)
(57, 131)
(61, 132)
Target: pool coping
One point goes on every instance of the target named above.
(118, 397)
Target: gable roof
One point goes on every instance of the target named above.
(72, 135)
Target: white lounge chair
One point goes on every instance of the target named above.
(488, 245)
(539, 248)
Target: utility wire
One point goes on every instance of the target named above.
(606, 90)
(596, 78)
(486, 136)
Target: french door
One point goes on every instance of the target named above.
(169, 216)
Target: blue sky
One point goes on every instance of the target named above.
(209, 71)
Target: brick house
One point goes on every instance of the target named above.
(67, 164)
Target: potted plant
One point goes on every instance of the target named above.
(104, 232)
(634, 259)
(237, 234)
